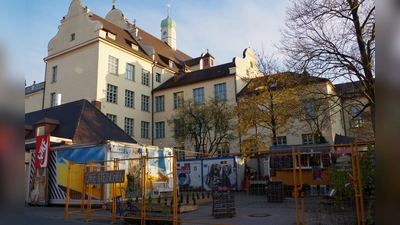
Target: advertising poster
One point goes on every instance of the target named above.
(42, 151)
(38, 194)
(316, 173)
(219, 173)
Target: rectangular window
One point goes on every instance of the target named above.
(309, 110)
(145, 129)
(112, 65)
(281, 140)
(129, 98)
(52, 99)
(179, 152)
(200, 126)
(145, 103)
(72, 37)
(223, 148)
(160, 106)
(160, 129)
(130, 72)
(54, 74)
(198, 95)
(200, 148)
(178, 127)
(178, 100)
(128, 126)
(356, 119)
(220, 91)
(112, 93)
(145, 77)
(112, 117)
(158, 77)
(307, 139)
(309, 160)
(171, 64)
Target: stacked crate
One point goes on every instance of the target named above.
(223, 204)
(275, 192)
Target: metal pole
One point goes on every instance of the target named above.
(89, 203)
(295, 186)
(143, 219)
(359, 184)
(174, 198)
(301, 184)
(68, 191)
(353, 167)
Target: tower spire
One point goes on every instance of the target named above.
(169, 6)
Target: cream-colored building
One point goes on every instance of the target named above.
(136, 79)
(34, 97)
(116, 65)
(314, 105)
(356, 121)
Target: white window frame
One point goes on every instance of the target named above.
(53, 99)
(306, 160)
(178, 100)
(145, 103)
(129, 125)
(158, 77)
(220, 91)
(309, 110)
(355, 122)
(198, 95)
(112, 93)
(281, 140)
(160, 103)
(112, 65)
(145, 77)
(223, 148)
(309, 139)
(160, 129)
(144, 129)
(112, 117)
(54, 74)
(129, 98)
(130, 72)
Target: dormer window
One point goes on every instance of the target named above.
(205, 62)
(171, 64)
(111, 35)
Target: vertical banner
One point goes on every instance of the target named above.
(39, 184)
(42, 151)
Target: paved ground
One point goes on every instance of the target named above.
(250, 210)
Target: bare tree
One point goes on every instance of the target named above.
(334, 39)
(209, 126)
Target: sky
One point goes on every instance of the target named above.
(224, 27)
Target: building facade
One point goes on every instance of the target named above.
(137, 80)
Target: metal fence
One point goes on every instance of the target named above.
(330, 184)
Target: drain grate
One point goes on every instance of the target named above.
(259, 215)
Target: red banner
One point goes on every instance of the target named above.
(42, 151)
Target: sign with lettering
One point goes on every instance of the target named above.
(42, 151)
(113, 176)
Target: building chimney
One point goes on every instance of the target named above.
(97, 104)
